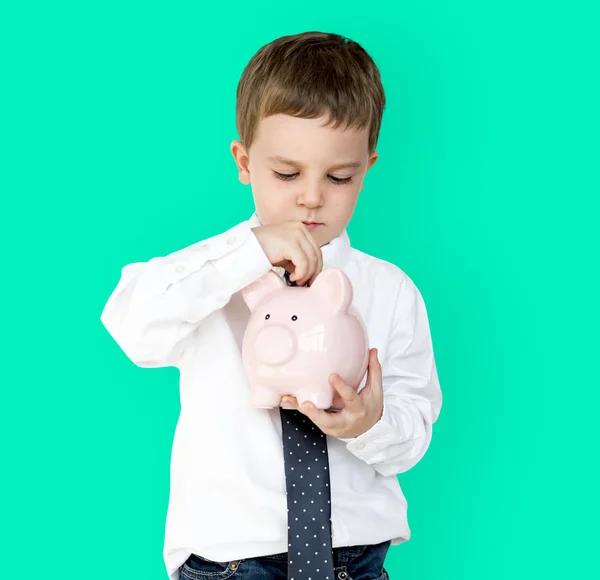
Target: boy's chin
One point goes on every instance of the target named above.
(323, 236)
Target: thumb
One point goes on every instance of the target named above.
(371, 373)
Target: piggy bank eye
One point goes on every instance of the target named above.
(294, 318)
(267, 317)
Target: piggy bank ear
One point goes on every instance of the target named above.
(254, 293)
(333, 287)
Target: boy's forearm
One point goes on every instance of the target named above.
(412, 396)
(158, 304)
(402, 436)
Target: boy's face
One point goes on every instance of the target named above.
(300, 170)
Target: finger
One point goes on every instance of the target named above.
(311, 256)
(300, 260)
(318, 268)
(348, 394)
(305, 255)
(289, 402)
(287, 265)
(374, 376)
(365, 392)
(319, 256)
(321, 418)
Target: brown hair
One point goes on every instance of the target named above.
(308, 75)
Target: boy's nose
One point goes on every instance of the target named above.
(311, 197)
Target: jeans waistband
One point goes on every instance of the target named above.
(341, 556)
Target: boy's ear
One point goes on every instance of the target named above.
(374, 157)
(241, 160)
(372, 160)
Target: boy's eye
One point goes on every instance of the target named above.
(340, 180)
(332, 178)
(285, 176)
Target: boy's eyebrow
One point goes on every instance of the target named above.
(348, 164)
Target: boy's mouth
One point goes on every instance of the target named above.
(312, 225)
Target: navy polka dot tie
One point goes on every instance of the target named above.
(310, 554)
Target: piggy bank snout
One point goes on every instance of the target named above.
(275, 345)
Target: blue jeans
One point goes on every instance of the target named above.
(354, 563)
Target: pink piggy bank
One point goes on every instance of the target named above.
(297, 336)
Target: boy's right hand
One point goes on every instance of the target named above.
(291, 246)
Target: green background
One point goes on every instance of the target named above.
(116, 123)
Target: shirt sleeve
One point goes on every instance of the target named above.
(157, 305)
(412, 395)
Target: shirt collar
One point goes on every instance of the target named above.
(335, 253)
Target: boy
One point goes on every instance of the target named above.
(309, 109)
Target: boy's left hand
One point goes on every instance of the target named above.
(361, 410)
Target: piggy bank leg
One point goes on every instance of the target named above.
(320, 398)
(264, 398)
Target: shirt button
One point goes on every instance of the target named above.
(342, 575)
(231, 240)
(179, 269)
(361, 446)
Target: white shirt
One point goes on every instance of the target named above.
(227, 497)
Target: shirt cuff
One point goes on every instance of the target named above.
(369, 445)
